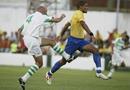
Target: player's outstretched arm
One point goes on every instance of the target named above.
(65, 28)
(62, 33)
(85, 26)
(56, 20)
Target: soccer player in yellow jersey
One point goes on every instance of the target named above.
(77, 41)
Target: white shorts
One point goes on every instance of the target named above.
(33, 45)
(117, 58)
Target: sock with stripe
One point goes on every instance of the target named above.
(33, 69)
(60, 51)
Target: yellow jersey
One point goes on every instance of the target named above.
(77, 30)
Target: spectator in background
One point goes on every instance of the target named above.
(13, 36)
(110, 38)
(127, 38)
(98, 35)
(116, 34)
(1, 42)
(13, 47)
(6, 44)
(117, 57)
(106, 53)
(20, 45)
(4, 35)
(113, 35)
(99, 40)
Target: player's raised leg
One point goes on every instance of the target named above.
(55, 46)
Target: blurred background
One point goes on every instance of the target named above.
(108, 19)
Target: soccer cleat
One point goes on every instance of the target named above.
(102, 76)
(109, 75)
(22, 83)
(48, 79)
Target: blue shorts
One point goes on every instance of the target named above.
(74, 44)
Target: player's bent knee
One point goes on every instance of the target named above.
(38, 61)
(40, 64)
(63, 61)
(95, 50)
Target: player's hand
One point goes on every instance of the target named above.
(93, 39)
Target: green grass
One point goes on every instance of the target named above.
(64, 80)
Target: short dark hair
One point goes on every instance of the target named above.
(81, 3)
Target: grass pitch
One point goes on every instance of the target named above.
(64, 80)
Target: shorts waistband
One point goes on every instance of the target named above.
(76, 38)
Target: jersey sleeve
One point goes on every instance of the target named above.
(47, 18)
